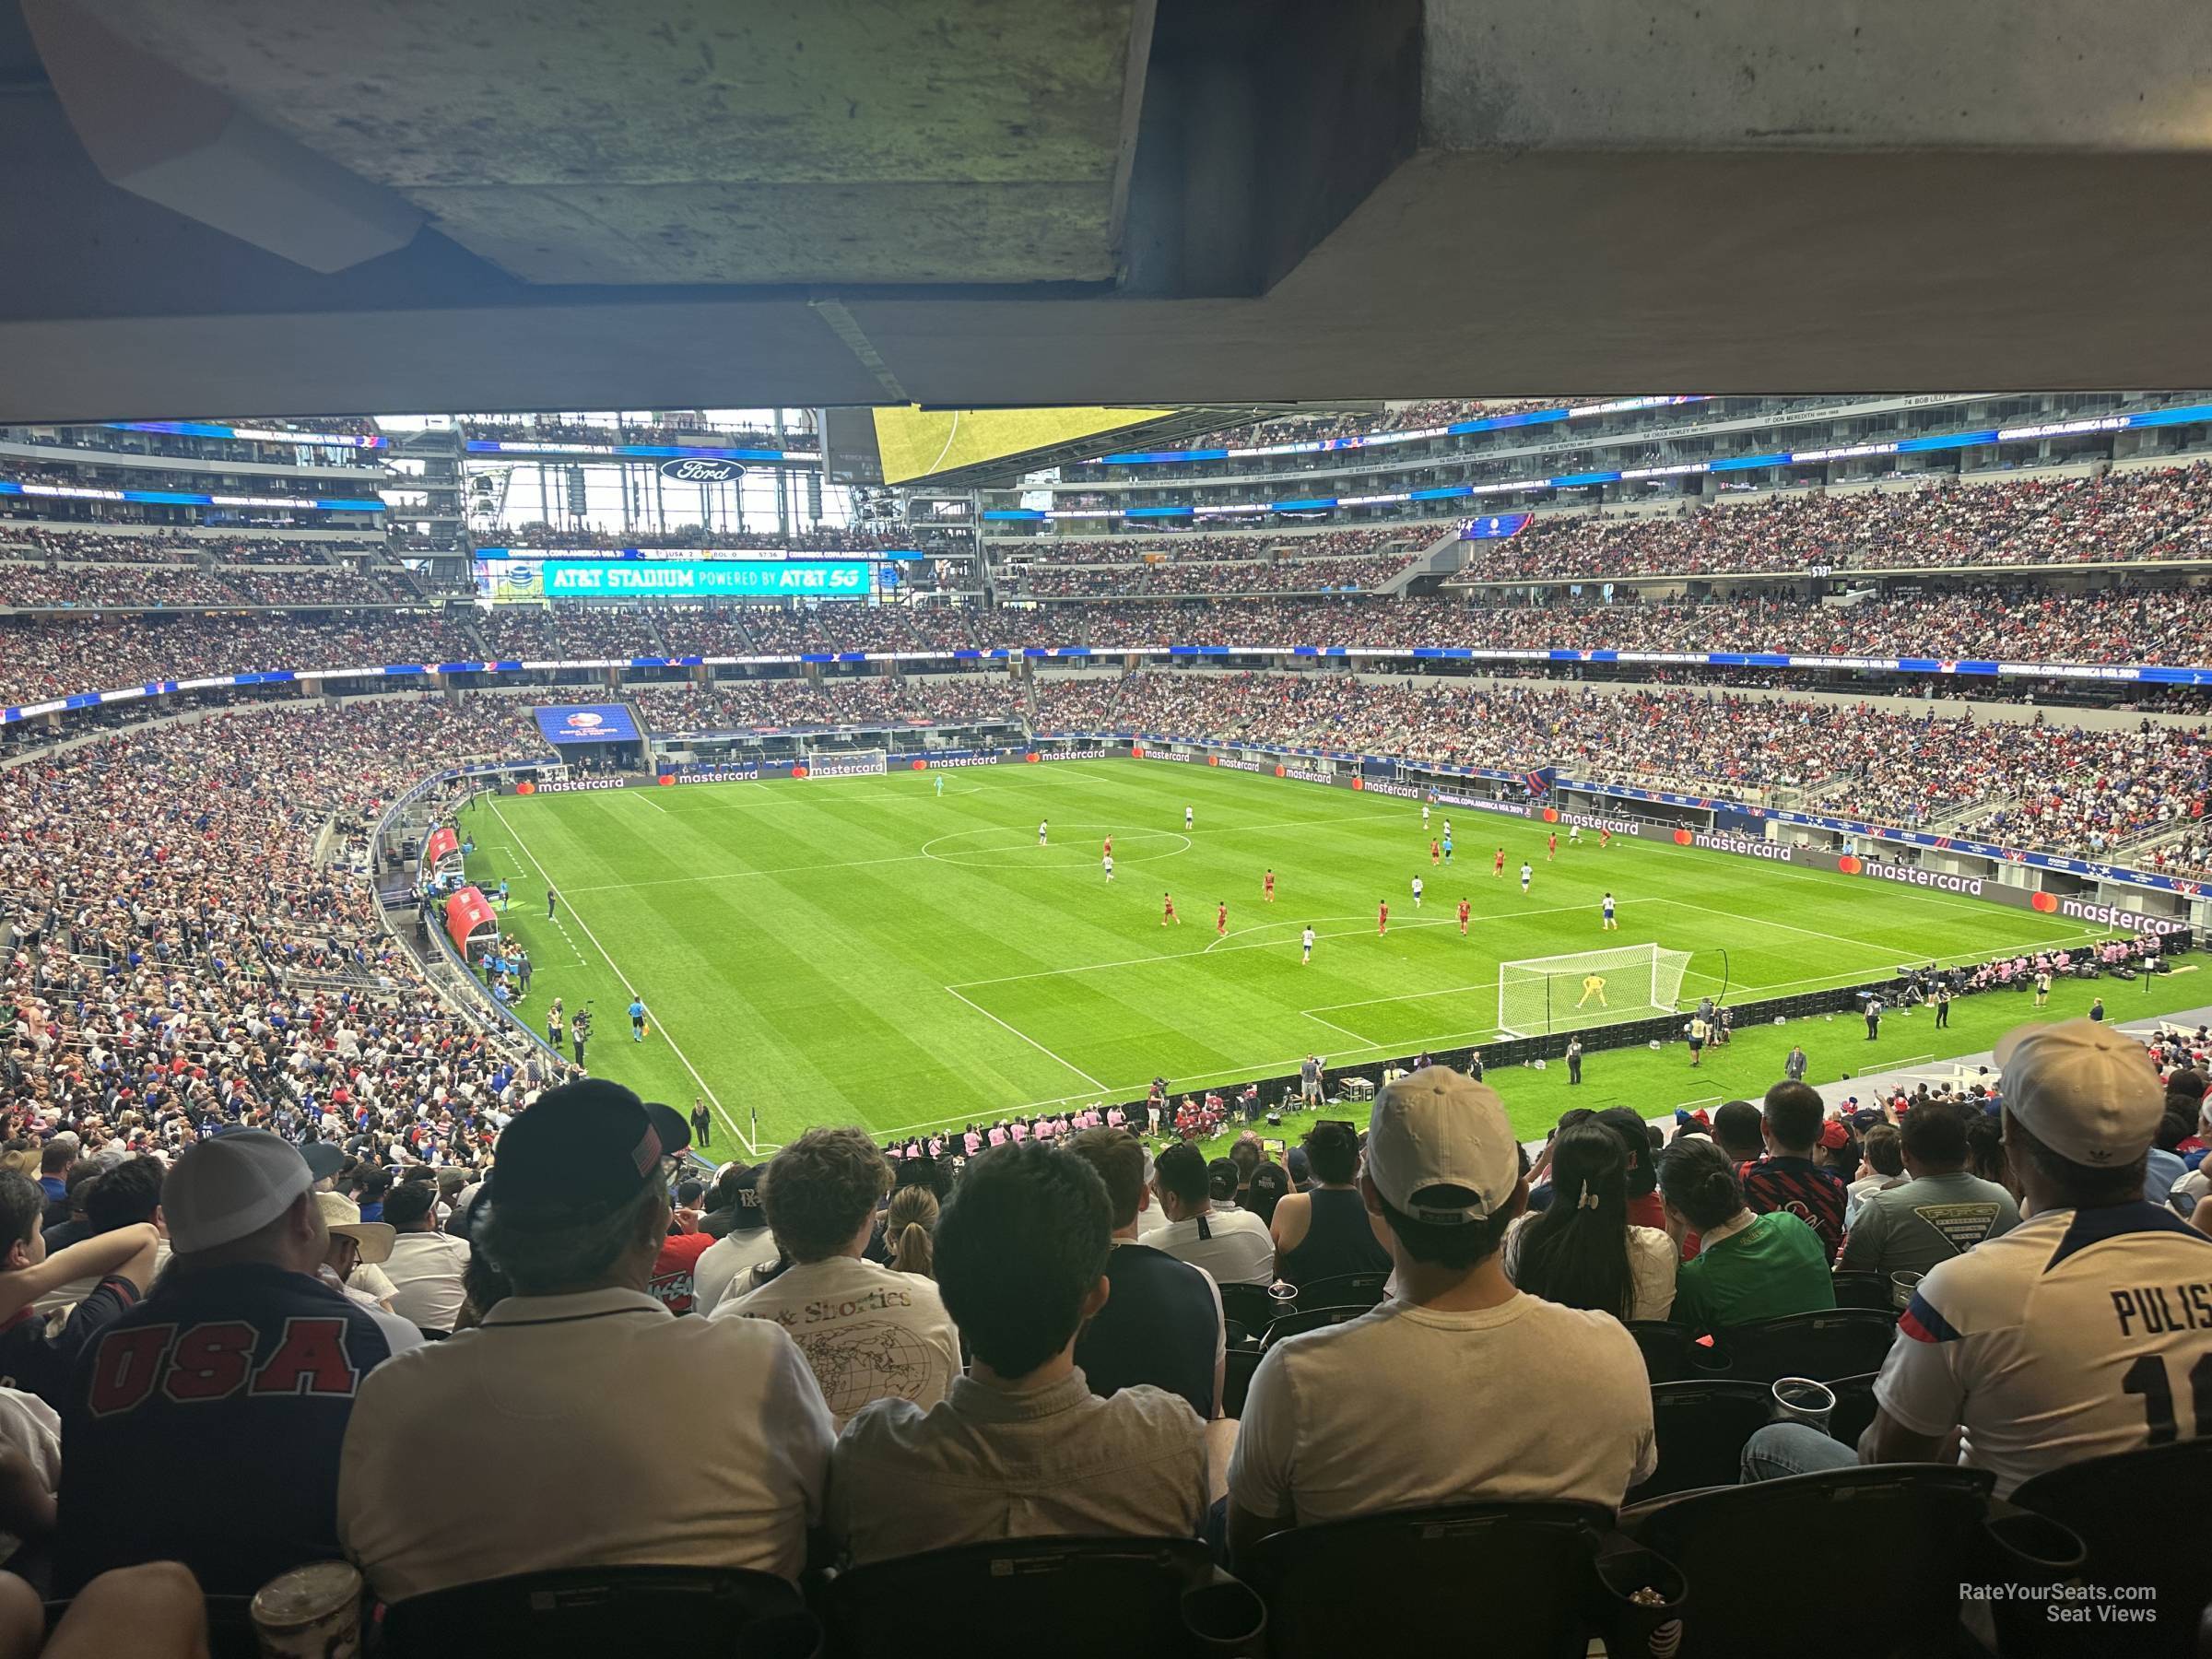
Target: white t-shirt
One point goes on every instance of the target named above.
(2072, 1336)
(1653, 1259)
(1409, 1407)
(1240, 1252)
(425, 1269)
(720, 1263)
(868, 1332)
(30, 1426)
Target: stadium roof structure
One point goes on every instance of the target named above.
(562, 204)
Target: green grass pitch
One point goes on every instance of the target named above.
(867, 950)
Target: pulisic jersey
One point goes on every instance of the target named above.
(2078, 1334)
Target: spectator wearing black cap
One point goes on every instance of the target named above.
(1377, 1413)
(425, 1266)
(1231, 1244)
(743, 1242)
(1163, 1323)
(565, 1403)
(1021, 1447)
(204, 1425)
(1326, 1230)
(1943, 1210)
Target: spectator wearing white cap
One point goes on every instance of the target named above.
(1461, 1390)
(572, 1384)
(2071, 1336)
(174, 1414)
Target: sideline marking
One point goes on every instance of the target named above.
(705, 1087)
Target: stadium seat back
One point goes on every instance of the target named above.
(1508, 1579)
(590, 1612)
(1309, 1319)
(1699, 1428)
(1248, 1305)
(2131, 1512)
(1855, 1407)
(1344, 1290)
(1863, 1290)
(1669, 1354)
(1076, 1598)
(1843, 1342)
(1910, 1533)
(1236, 1378)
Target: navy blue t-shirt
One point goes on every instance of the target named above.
(40, 1364)
(204, 1425)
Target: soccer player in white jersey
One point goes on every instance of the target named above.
(1306, 945)
(1424, 818)
(1416, 892)
(1042, 827)
(1611, 926)
(1574, 835)
(1108, 862)
(2078, 1334)
(1527, 874)
(1188, 814)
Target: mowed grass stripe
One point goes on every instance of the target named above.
(799, 942)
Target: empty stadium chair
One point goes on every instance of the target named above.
(1236, 1378)
(1308, 1319)
(1699, 1428)
(1344, 1290)
(2131, 1512)
(590, 1612)
(1844, 1342)
(1909, 1535)
(1855, 1407)
(1249, 1305)
(1520, 1578)
(1076, 1598)
(1670, 1354)
(1863, 1290)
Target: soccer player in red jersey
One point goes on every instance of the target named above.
(1382, 917)
(1169, 915)
(1267, 886)
(1436, 854)
(1221, 919)
(1107, 851)
(1463, 918)
(1604, 839)
(1498, 864)
(1551, 846)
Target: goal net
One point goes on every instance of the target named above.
(1588, 987)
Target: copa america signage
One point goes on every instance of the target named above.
(701, 469)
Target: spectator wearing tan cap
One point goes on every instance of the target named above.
(2074, 1335)
(1461, 1390)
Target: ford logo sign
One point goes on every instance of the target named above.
(704, 469)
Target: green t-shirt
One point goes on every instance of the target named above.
(1776, 1265)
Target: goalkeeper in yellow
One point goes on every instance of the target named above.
(1592, 985)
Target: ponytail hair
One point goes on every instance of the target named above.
(907, 1223)
(1576, 1252)
(1696, 1180)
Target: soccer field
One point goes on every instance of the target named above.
(865, 950)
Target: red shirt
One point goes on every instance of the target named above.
(672, 1268)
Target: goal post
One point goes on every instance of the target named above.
(1541, 995)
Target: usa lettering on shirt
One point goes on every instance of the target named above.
(193, 1365)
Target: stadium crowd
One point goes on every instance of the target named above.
(2152, 513)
